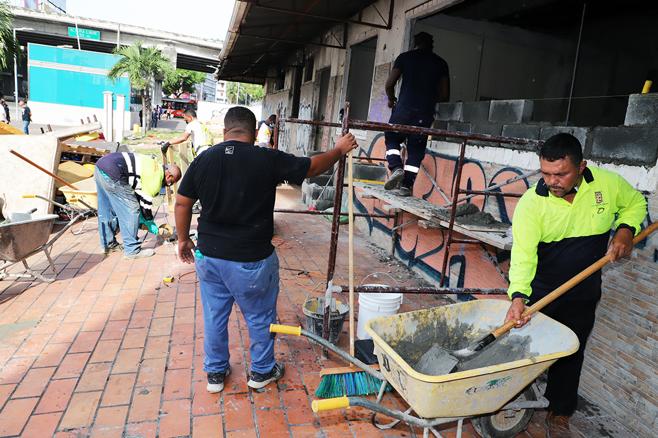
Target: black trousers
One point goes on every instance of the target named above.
(416, 143)
(564, 375)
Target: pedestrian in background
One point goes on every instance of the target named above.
(26, 116)
(6, 110)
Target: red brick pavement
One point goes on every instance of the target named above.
(109, 350)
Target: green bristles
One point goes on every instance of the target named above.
(349, 384)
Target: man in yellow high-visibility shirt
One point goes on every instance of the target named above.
(561, 226)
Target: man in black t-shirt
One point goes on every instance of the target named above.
(425, 81)
(235, 260)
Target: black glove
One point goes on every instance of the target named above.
(164, 146)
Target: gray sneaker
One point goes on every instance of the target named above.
(402, 191)
(216, 381)
(141, 254)
(112, 247)
(395, 179)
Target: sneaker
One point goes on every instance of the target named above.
(216, 381)
(557, 426)
(395, 179)
(258, 380)
(402, 191)
(112, 247)
(141, 254)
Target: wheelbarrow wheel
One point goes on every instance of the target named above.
(505, 424)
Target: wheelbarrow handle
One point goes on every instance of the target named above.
(330, 404)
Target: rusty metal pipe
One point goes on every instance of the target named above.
(425, 290)
(315, 212)
(490, 193)
(453, 212)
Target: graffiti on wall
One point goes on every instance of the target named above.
(423, 249)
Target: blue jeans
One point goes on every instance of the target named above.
(26, 127)
(254, 286)
(118, 208)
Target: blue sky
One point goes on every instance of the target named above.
(202, 18)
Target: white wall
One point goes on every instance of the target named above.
(68, 115)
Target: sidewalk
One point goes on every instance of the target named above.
(109, 350)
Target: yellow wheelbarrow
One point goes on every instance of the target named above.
(497, 390)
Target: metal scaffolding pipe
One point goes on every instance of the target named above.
(316, 212)
(425, 290)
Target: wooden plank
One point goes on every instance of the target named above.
(436, 217)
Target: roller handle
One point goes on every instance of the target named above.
(330, 404)
(573, 281)
(285, 329)
(29, 196)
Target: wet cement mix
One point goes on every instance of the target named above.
(425, 349)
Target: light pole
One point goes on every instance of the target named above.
(16, 71)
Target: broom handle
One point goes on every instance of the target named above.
(27, 160)
(350, 256)
(573, 281)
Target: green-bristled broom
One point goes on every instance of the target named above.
(349, 380)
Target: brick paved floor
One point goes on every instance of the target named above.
(109, 350)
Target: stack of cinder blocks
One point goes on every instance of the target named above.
(318, 192)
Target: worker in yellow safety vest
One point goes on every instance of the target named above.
(126, 184)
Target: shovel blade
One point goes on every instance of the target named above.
(436, 361)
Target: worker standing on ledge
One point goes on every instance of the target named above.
(560, 227)
(425, 81)
(235, 260)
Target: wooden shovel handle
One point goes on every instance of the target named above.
(573, 281)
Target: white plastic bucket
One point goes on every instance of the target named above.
(373, 305)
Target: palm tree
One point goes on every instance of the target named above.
(143, 65)
(8, 45)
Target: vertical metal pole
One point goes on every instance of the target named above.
(77, 32)
(335, 222)
(15, 81)
(118, 36)
(575, 64)
(275, 145)
(453, 212)
(394, 235)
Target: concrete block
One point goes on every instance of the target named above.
(510, 111)
(476, 111)
(642, 109)
(459, 127)
(530, 132)
(625, 145)
(449, 111)
(578, 132)
(372, 172)
(487, 129)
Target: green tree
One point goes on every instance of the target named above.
(181, 81)
(244, 94)
(142, 65)
(8, 45)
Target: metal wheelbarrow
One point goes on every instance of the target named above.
(22, 239)
(496, 390)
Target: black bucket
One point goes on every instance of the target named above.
(314, 311)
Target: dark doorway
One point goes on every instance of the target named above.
(359, 80)
(323, 112)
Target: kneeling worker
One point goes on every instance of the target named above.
(235, 260)
(126, 184)
(561, 226)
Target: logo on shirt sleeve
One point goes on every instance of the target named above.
(229, 150)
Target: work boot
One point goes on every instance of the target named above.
(258, 380)
(403, 191)
(141, 254)
(557, 426)
(216, 381)
(395, 179)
